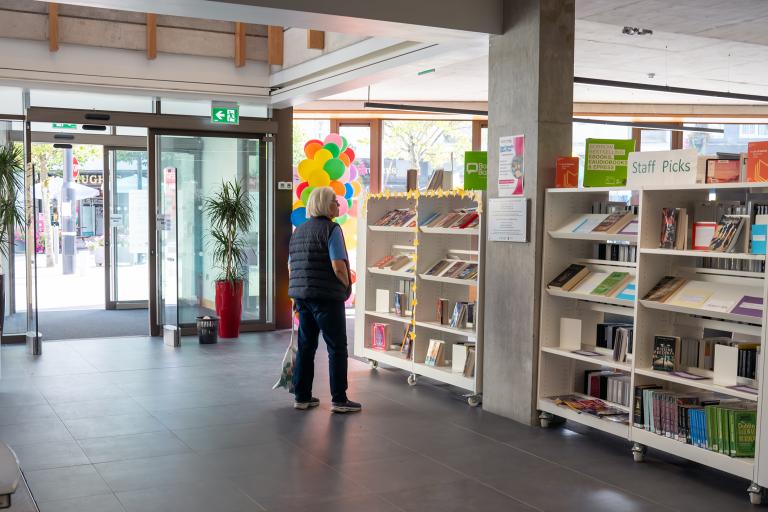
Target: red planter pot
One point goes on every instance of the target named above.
(229, 307)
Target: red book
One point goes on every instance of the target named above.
(757, 161)
(567, 172)
(723, 171)
(469, 220)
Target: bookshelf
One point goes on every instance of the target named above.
(428, 245)
(561, 371)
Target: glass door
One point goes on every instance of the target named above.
(126, 247)
(188, 169)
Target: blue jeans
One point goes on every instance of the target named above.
(329, 318)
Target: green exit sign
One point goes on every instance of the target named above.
(225, 113)
(63, 126)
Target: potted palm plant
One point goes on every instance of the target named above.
(11, 213)
(230, 213)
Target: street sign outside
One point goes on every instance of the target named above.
(225, 113)
(63, 126)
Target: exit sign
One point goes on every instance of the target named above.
(63, 126)
(225, 113)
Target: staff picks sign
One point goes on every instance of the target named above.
(653, 168)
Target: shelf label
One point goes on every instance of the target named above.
(677, 167)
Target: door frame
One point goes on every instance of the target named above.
(265, 209)
(108, 175)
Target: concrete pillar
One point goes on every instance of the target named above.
(530, 93)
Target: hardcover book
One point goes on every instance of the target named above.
(605, 162)
(612, 284)
(613, 223)
(665, 288)
(723, 171)
(569, 278)
(757, 161)
(702, 235)
(567, 172)
(665, 352)
(674, 228)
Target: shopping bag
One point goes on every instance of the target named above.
(289, 361)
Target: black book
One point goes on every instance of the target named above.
(665, 353)
(569, 278)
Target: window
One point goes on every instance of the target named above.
(425, 146)
(655, 140)
(734, 138)
(483, 138)
(305, 130)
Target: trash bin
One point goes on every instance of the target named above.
(207, 329)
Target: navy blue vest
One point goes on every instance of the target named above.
(312, 276)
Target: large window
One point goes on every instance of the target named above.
(424, 146)
(655, 140)
(734, 138)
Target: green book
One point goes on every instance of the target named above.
(719, 429)
(708, 414)
(611, 284)
(605, 162)
(731, 432)
(745, 425)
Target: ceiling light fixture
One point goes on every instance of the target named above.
(635, 31)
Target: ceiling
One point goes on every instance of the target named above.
(702, 44)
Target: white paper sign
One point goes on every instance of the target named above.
(511, 165)
(508, 219)
(653, 168)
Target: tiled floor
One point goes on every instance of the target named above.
(129, 425)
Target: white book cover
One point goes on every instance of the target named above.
(382, 300)
(570, 334)
(726, 365)
(693, 294)
(459, 357)
(590, 283)
(725, 298)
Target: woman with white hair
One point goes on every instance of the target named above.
(319, 284)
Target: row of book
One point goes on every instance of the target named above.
(621, 223)
(591, 406)
(402, 262)
(579, 279)
(616, 252)
(461, 316)
(402, 217)
(726, 357)
(458, 219)
(617, 337)
(708, 296)
(722, 236)
(722, 425)
(608, 385)
(733, 264)
(739, 167)
(400, 299)
(463, 356)
(454, 269)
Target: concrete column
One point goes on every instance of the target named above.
(530, 93)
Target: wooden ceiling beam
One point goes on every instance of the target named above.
(53, 26)
(239, 44)
(315, 39)
(275, 45)
(151, 36)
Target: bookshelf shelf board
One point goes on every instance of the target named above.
(593, 190)
(611, 427)
(598, 237)
(721, 325)
(608, 263)
(704, 254)
(390, 316)
(393, 229)
(445, 374)
(734, 273)
(601, 360)
(708, 186)
(591, 298)
(730, 317)
(449, 280)
(470, 333)
(390, 357)
(450, 231)
(706, 384)
(738, 466)
(393, 273)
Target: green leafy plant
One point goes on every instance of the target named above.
(231, 213)
(11, 182)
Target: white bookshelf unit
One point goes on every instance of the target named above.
(561, 371)
(429, 245)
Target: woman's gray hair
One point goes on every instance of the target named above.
(320, 201)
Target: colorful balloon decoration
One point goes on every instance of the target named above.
(328, 164)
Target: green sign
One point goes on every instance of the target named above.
(605, 162)
(225, 114)
(475, 170)
(63, 126)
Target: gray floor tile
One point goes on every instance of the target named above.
(151, 472)
(35, 432)
(19, 414)
(104, 426)
(65, 483)
(96, 408)
(399, 473)
(98, 503)
(204, 496)
(356, 503)
(337, 448)
(136, 446)
(460, 496)
(226, 436)
(50, 455)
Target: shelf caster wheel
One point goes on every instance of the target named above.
(755, 494)
(374, 364)
(412, 379)
(474, 400)
(638, 452)
(546, 420)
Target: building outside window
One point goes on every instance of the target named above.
(734, 138)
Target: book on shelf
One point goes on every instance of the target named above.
(569, 278)
(757, 161)
(623, 344)
(674, 228)
(607, 385)
(469, 364)
(616, 252)
(629, 292)
(402, 217)
(455, 269)
(460, 354)
(443, 317)
(459, 315)
(614, 223)
(605, 162)
(666, 353)
(570, 333)
(400, 305)
(703, 232)
(612, 284)
(586, 223)
(567, 172)
(693, 294)
(382, 300)
(664, 289)
(379, 336)
(384, 262)
(435, 353)
(469, 322)
(591, 406)
(727, 233)
(723, 171)
(589, 283)
(749, 305)
(436, 180)
(758, 239)
(632, 228)
(439, 267)
(406, 344)
(638, 409)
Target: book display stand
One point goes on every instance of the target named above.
(691, 382)
(418, 302)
